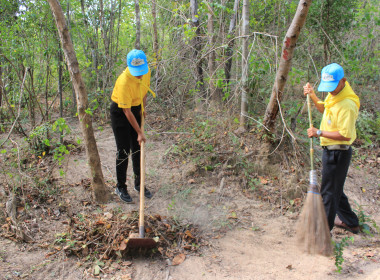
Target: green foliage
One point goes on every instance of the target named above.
(338, 251)
(368, 127)
(326, 17)
(198, 142)
(46, 138)
(39, 139)
(365, 221)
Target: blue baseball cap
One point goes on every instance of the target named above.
(137, 63)
(331, 75)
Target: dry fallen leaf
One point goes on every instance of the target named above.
(233, 215)
(178, 259)
(188, 233)
(127, 263)
(108, 215)
(263, 181)
(123, 245)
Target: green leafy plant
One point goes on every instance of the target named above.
(39, 138)
(368, 127)
(365, 221)
(49, 138)
(338, 251)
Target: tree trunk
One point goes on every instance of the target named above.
(60, 92)
(156, 50)
(74, 106)
(32, 114)
(244, 64)
(60, 61)
(326, 41)
(1, 90)
(137, 11)
(100, 192)
(155, 33)
(47, 90)
(197, 49)
(288, 47)
(211, 56)
(231, 42)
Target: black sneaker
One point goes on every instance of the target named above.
(147, 193)
(123, 194)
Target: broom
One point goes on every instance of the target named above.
(313, 233)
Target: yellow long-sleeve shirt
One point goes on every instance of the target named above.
(129, 91)
(341, 116)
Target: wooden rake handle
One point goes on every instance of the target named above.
(142, 183)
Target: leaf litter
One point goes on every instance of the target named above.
(105, 236)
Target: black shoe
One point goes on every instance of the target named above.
(123, 194)
(147, 193)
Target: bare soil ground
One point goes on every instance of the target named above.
(246, 234)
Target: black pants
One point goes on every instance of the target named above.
(126, 142)
(335, 167)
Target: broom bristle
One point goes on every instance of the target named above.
(313, 232)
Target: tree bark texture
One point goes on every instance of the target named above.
(197, 48)
(138, 28)
(211, 56)
(1, 88)
(288, 47)
(244, 64)
(156, 49)
(155, 33)
(31, 101)
(100, 192)
(231, 42)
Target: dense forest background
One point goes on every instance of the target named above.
(195, 53)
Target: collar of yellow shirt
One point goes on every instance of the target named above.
(140, 82)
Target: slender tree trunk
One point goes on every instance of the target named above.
(326, 41)
(32, 115)
(288, 47)
(60, 61)
(74, 106)
(211, 56)
(244, 62)
(197, 49)
(137, 11)
(100, 192)
(1, 89)
(60, 92)
(231, 42)
(155, 33)
(118, 31)
(47, 90)
(156, 50)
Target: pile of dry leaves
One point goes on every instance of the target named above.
(105, 236)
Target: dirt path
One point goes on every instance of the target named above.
(247, 238)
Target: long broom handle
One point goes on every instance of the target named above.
(142, 182)
(311, 139)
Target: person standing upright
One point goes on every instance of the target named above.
(128, 103)
(337, 132)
